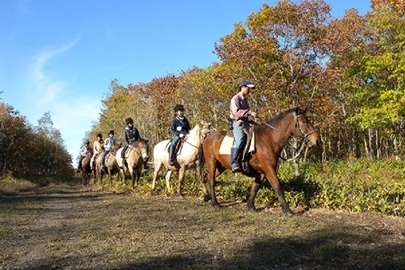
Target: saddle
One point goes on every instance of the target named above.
(247, 152)
(178, 147)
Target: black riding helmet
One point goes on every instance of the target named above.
(129, 120)
(111, 132)
(179, 107)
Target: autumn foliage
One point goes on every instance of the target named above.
(348, 72)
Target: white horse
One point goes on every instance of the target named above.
(187, 155)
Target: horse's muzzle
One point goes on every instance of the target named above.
(314, 141)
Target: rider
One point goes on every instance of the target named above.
(83, 153)
(97, 147)
(240, 112)
(179, 127)
(108, 146)
(131, 134)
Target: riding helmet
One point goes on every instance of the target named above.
(86, 141)
(99, 135)
(129, 120)
(111, 132)
(178, 107)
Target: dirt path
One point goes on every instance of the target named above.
(71, 227)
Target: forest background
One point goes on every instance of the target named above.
(347, 72)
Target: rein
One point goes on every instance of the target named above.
(303, 138)
(202, 137)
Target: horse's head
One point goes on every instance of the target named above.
(144, 148)
(304, 128)
(89, 153)
(205, 128)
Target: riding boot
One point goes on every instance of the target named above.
(235, 160)
(172, 156)
(80, 165)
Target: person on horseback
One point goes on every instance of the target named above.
(179, 127)
(97, 147)
(108, 146)
(131, 134)
(83, 153)
(240, 112)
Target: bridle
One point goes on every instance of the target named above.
(203, 135)
(297, 126)
(140, 150)
(303, 139)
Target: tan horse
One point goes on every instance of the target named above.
(110, 163)
(85, 171)
(135, 156)
(187, 156)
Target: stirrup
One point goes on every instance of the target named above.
(236, 168)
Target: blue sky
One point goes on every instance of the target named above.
(60, 56)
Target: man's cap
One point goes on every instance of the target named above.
(246, 83)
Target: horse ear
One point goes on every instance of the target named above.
(301, 111)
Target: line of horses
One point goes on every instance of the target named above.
(202, 149)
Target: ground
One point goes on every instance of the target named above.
(68, 226)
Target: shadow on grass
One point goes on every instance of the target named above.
(323, 249)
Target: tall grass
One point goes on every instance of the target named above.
(373, 186)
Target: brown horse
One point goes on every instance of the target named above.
(85, 171)
(136, 154)
(270, 138)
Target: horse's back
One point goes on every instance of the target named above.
(160, 149)
(213, 142)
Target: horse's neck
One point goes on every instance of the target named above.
(279, 134)
(194, 136)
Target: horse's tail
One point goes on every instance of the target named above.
(201, 161)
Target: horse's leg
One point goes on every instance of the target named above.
(131, 173)
(275, 183)
(202, 179)
(157, 166)
(182, 171)
(253, 191)
(212, 172)
(167, 178)
(109, 175)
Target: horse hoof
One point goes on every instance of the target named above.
(252, 208)
(288, 212)
(207, 198)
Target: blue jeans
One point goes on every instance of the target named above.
(239, 134)
(175, 139)
(103, 157)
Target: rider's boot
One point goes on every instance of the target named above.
(235, 160)
(172, 156)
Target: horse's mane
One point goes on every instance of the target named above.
(281, 115)
(136, 143)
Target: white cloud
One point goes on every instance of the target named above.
(46, 88)
(71, 114)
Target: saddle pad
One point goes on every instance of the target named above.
(226, 145)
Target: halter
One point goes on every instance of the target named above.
(297, 125)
